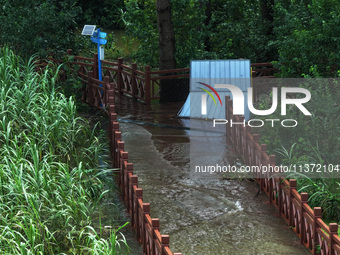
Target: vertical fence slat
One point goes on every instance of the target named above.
(333, 229)
(292, 185)
(133, 186)
(272, 160)
(89, 91)
(145, 211)
(128, 171)
(304, 201)
(95, 65)
(119, 76)
(316, 244)
(147, 85)
(133, 81)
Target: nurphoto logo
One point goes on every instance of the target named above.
(239, 105)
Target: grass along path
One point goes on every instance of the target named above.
(49, 176)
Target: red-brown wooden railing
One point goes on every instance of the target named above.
(263, 70)
(127, 80)
(293, 207)
(147, 228)
(144, 85)
(121, 79)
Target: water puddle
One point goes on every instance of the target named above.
(203, 213)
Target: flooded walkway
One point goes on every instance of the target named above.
(202, 213)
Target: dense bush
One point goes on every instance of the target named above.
(233, 29)
(307, 34)
(315, 140)
(104, 13)
(38, 26)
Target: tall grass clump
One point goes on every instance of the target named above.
(49, 178)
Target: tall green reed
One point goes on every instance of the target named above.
(49, 173)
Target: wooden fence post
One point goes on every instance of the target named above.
(227, 116)
(123, 157)
(262, 175)
(88, 92)
(115, 128)
(292, 185)
(317, 215)
(95, 65)
(147, 85)
(239, 138)
(247, 145)
(133, 81)
(333, 228)
(279, 183)
(119, 145)
(119, 76)
(146, 210)
(69, 52)
(138, 224)
(304, 201)
(128, 170)
(155, 226)
(165, 241)
(111, 97)
(272, 160)
(106, 89)
(256, 139)
(133, 185)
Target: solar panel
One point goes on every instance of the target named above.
(88, 30)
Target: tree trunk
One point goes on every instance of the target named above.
(266, 11)
(208, 15)
(266, 8)
(166, 36)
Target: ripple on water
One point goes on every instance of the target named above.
(202, 213)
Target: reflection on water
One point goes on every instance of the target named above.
(202, 212)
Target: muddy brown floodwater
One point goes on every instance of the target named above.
(202, 213)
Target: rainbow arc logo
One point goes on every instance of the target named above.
(204, 101)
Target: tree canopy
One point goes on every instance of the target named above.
(301, 37)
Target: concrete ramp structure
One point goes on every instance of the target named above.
(211, 72)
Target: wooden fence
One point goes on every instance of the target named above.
(147, 228)
(263, 70)
(143, 85)
(126, 80)
(292, 206)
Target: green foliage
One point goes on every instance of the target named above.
(235, 29)
(104, 13)
(325, 193)
(307, 35)
(321, 130)
(190, 31)
(49, 157)
(297, 35)
(315, 140)
(141, 23)
(41, 26)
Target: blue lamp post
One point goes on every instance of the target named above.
(98, 38)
